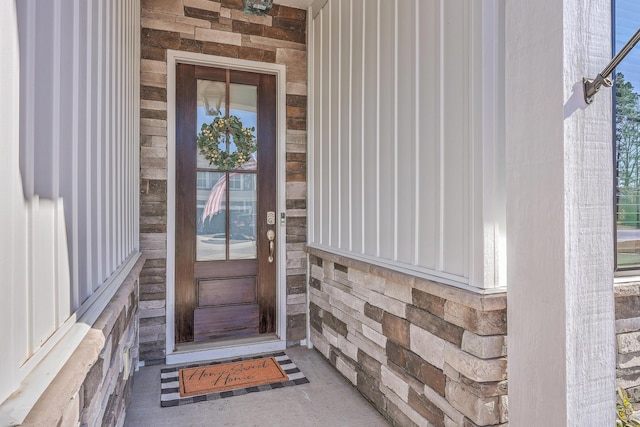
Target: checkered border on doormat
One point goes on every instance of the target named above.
(170, 394)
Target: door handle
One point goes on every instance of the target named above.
(271, 235)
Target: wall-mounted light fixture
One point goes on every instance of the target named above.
(592, 86)
(257, 7)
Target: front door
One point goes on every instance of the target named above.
(225, 212)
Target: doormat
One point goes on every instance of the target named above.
(217, 380)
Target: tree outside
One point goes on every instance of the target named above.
(627, 136)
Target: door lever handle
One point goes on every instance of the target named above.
(271, 235)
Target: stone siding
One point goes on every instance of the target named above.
(423, 353)
(627, 300)
(217, 28)
(94, 387)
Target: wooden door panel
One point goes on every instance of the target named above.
(266, 184)
(186, 298)
(226, 268)
(224, 322)
(225, 297)
(238, 290)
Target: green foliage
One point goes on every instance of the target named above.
(213, 135)
(627, 153)
(624, 410)
(627, 136)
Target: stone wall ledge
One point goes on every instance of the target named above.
(61, 402)
(622, 289)
(463, 297)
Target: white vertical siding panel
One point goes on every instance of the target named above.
(113, 141)
(401, 146)
(325, 160)
(415, 117)
(89, 109)
(124, 101)
(406, 135)
(441, 138)
(316, 166)
(370, 134)
(109, 135)
(455, 112)
(428, 139)
(131, 90)
(19, 323)
(126, 181)
(82, 172)
(99, 141)
(42, 255)
(126, 166)
(131, 181)
(78, 262)
(101, 114)
(335, 120)
(497, 167)
(61, 178)
(27, 15)
(44, 82)
(476, 144)
(387, 129)
(357, 126)
(13, 227)
(344, 111)
(124, 122)
(117, 141)
(135, 119)
(488, 246)
(66, 163)
(55, 106)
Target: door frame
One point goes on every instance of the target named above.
(199, 352)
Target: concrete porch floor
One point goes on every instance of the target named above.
(327, 400)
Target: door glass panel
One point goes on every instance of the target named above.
(211, 104)
(243, 100)
(211, 223)
(242, 216)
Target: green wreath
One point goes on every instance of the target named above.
(209, 143)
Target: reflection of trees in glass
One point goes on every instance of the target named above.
(627, 151)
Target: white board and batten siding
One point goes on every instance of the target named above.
(69, 181)
(406, 130)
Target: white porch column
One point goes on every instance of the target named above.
(559, 215)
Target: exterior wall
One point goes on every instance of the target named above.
(69, 187)
(217, 28)
(423, 353)
(407, 136)
(627, 299)
(94, 386)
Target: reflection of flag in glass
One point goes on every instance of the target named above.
(218, 192)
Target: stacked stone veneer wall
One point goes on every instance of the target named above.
(217, 28)
(627, 299)
(423, 353)
(94, 386)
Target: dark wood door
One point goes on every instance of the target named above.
(225, 274)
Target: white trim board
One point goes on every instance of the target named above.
(178, 57)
